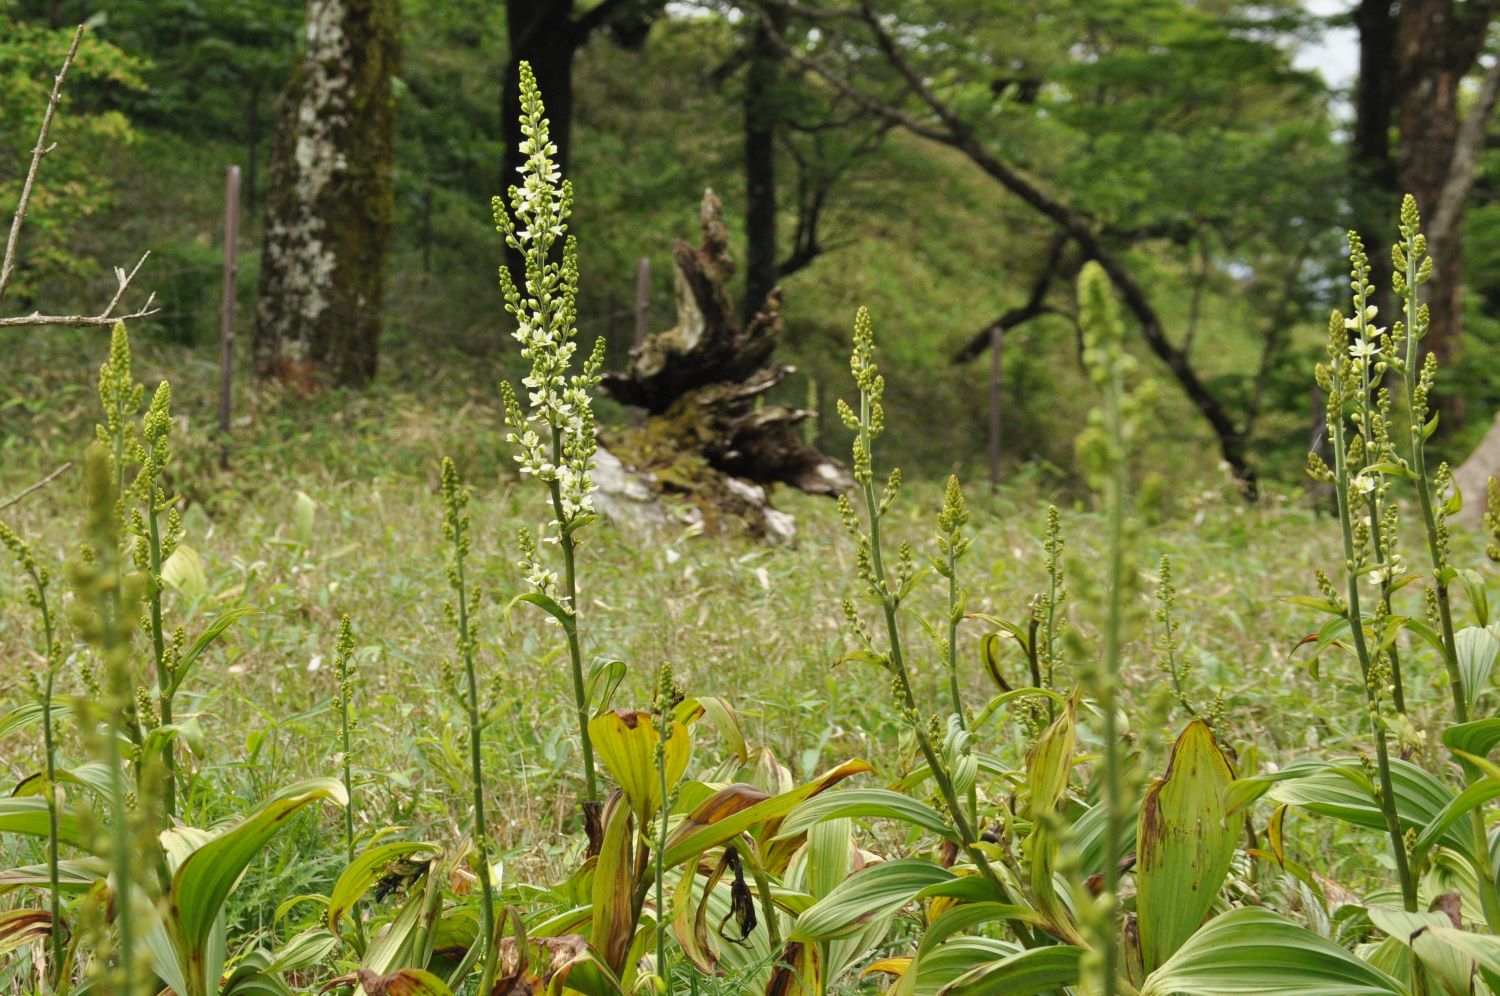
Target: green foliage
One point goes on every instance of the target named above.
(996, 855)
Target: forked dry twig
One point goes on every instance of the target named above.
(8, 263)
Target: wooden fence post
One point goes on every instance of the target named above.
(226, 309)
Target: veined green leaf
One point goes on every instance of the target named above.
(613, 886)
(1476, 649)
(1184, 844)
(1476, 794)
(868, 803)
(873, 891)
(27, 815)
(1341, 790)
(208, 875)
(1254, 952)
(1050, 761)
(625, 741)
(1036, 971)
(1413, 930)
(1477, 737)
(27, 715)
(206, 639)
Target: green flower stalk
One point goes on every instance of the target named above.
(344, 670)
(456, 533)
(121, 398)
(102, 587)
(1412, 268)
(952, 545)
(1103, 449)
(155, 543)
(1175, 666)
(1372, 421)
(36, 596)
(889, 591)
(1341, 379)
(554, 431)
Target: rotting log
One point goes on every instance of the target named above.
(708, 436)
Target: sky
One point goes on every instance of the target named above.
(1336, 53)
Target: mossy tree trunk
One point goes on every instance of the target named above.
(331, 200)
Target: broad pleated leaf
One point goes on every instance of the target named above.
(1036, 971)
(613, 887)
(873, 891)
(1185, 844)
(1254, 952)
(1477, 737)
(869, 803)
(1476, 649)
(28, 816)
(733, 810)
(1342, 790)
(207, 876)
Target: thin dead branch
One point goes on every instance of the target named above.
(123, 279)
(39, 485)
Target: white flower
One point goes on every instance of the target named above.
(1363, 484)
(1362, 349)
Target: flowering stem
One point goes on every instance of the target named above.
(890, 604)
(1109, 673)
(1387, 798)
(1412, 249)
(481, 825)
(158, 649)
(570, 627)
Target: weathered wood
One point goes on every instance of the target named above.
(709, 435)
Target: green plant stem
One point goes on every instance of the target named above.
(661, 846)
(158, 649)
(476, 767)
(575, 651)
(1362, 653)
(889, 604)
(347, 744)
(54, 821)
(1109, 670)
(953, 690)
(1489, 894)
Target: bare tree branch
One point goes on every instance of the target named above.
(123, 279)
(39, 485)
(105, 317)
(8, 265)
(1467, 147)
(957, 133)
(1035, 306)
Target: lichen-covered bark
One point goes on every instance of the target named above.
(331, 200)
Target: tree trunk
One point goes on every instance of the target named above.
(542, 33)
(708, 436)
(331, 200)
(1373, 190)
(760, 169)
(1427, 87)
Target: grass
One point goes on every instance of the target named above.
(758, 626)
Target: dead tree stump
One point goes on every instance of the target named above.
(708, 436)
